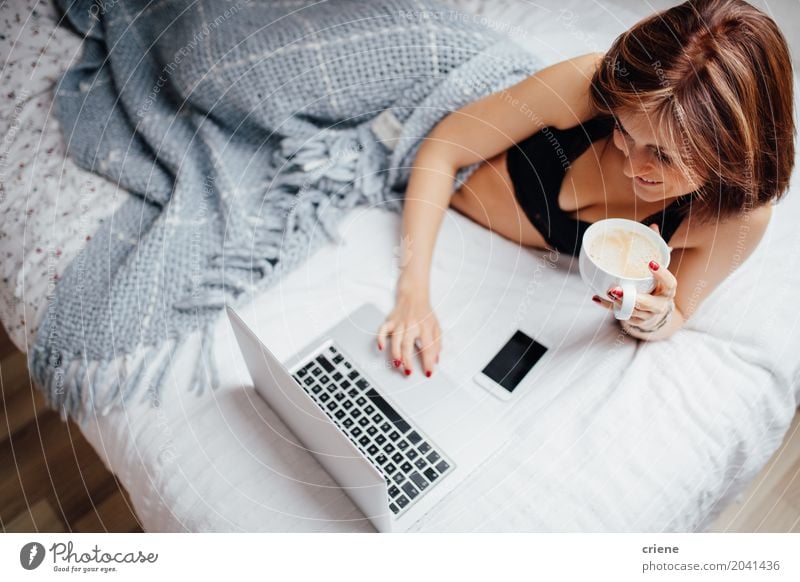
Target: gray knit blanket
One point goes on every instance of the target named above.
(244, 131)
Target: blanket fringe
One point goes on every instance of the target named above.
(205, 357)
(320, 178)
(80, 389)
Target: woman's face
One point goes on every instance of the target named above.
(650, 161)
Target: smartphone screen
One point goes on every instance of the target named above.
(514, 360)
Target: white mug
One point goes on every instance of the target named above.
(601, 280)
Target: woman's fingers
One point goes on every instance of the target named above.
(427, 350)
(646, 305)
(666, 283)
(383, 332)
(642, 307)
(397, 348)
(602, 302)
(407, 347)
(437, 339)
(411, 329)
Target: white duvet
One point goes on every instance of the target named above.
(611, 435)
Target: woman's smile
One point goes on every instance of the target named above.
(645, 182)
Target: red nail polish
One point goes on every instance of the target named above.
(408, 371)
(428, 373)
(616, 293)
(397, 363)
(654, 265)
(595, 298)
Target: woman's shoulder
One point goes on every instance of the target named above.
(740, 232)
(556, 96)
(720, 248)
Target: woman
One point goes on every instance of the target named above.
(685, 125)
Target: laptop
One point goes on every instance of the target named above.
(395, 444)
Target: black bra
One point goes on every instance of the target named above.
(537, 166)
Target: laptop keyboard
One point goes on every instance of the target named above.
(409, 462)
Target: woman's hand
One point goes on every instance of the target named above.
(652, 309)
(412, 324)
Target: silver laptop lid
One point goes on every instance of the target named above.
(359, 479)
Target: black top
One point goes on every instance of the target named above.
(537, 166)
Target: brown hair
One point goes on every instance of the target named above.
(716, 77)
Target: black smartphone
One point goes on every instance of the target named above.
(510, 365)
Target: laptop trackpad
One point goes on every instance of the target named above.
(454, 416)
(451, 415)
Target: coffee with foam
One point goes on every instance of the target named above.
(624, 253)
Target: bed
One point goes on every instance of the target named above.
(615, 434)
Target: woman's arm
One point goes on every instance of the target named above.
(556, 96)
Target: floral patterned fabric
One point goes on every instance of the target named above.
(49, 208)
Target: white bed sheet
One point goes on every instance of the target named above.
(615, 435)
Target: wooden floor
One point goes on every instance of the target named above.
(51, 480)
(772, 502)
